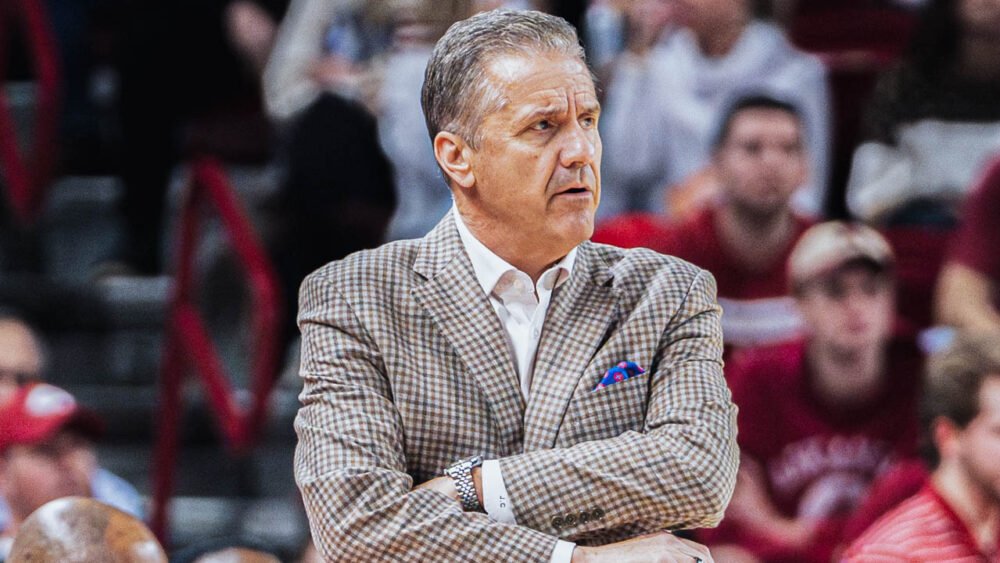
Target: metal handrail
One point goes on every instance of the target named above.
(28, 177)
(188, 347)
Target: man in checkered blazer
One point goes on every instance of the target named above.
(503, 388)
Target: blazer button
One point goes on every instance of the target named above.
(597, 514)
(569, 520)
(584, 517)
(557, 522)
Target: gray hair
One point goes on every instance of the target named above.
(457, 93)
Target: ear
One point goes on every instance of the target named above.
(946, 437)
(453, 155)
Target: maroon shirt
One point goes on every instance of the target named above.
(818, 460)
(977, 243)
(756, 307)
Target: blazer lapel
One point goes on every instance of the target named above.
(576, 325)
(454, 299)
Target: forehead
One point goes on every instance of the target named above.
(764, 122)
(541, 79)
(849, 274)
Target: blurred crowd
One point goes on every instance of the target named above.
(834, 164)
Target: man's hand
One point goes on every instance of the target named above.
(661, 547)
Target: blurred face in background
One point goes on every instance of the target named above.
(32, 475)
(704, 16)
(849, 310)
(761, 162)
(980, 17)
(649, 18)
(20, 358)
(976, 448)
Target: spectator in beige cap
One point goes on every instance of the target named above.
(822, 416)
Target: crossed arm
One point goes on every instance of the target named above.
(362, 504)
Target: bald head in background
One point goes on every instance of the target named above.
(237, 555)
(81, 530)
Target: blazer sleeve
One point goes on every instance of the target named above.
(349, 461)
(677, 472)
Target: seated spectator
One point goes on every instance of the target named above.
(665, 97)
(81, 529)
(22, 362)
(934, 121)
(956, 516)
(744, 237)
(969, 285)
(820, 418)
(46, 450)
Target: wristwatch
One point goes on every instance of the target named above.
(461, 473)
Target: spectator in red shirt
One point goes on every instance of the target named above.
(820, 418)
(956, 517)
(970, 281)
(744, 236)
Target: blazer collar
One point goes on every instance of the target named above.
(575, 326)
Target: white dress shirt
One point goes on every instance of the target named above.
(521, 305)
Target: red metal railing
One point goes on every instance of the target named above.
(188, 347)
(27, 177)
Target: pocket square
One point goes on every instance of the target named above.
(619, 373)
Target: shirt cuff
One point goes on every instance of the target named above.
(563, 553)
(495, 499)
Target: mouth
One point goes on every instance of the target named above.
(573, 190)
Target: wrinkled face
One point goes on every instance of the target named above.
(849, 310)
(978, 444)
(980, 17)
(31, 476)
(537, 168)
(761, 162)
(20, 358)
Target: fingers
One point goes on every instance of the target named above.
(696, 551)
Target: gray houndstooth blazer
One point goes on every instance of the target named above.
(406, 370)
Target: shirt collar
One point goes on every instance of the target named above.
(489, 267)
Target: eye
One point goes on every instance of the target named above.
(588, 122)
(752, 148)
(542, 125)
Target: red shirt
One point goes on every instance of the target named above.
(818, 460)
(977, 242)
(921, 529)
(755, 303)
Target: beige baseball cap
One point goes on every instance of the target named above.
(827, 246)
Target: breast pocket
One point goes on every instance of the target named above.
(607, 412)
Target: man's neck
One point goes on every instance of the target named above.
(846, 377)
(527, 258)
(719, 39)
(978, 59)
(756, 239)
(978, 510)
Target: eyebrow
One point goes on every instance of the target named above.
(547, 111)
(555, 110)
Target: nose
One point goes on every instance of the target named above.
(579, 147)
